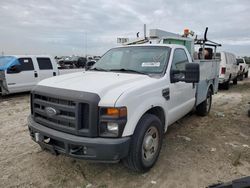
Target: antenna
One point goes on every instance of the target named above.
(145, 30)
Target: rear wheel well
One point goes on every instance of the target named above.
(159, 112)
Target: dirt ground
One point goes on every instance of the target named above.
(196, 152)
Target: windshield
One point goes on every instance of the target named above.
(240, 61)
(137, 59)
(7, 62)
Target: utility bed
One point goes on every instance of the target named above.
(209, 74)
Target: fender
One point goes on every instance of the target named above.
(137, 112)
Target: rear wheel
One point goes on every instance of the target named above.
(235, 81)
(226, 85)
(146, 144)
(241, 77)
(204, 108)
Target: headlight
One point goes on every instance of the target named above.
(112, 121)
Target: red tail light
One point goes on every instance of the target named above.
(241, 67)
(223, 70)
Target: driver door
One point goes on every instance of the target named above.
(182, 95)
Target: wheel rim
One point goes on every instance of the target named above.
(150, 144)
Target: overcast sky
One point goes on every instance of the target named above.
(66, 27)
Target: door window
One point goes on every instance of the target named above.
(26, 64)
(178, 64)
(44, 63)
(179, 60)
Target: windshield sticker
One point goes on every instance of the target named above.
(151, 64)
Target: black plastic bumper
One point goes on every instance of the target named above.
(99, 149)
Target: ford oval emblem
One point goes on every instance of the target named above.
(50, 111)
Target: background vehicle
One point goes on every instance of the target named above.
(28, 72)
(72, 62)
(228, 69)
(242, 68)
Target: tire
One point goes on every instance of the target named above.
(148, 135)
(246, 74)
(203, 109)
(235, 81)
(227, 85)
(241, 77)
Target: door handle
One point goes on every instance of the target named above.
(54, 73)
(35, 74)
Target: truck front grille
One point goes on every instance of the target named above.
(62, 114)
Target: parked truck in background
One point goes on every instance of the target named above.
(228, 69)
(27, 72)
(242, 68)
(120, 108)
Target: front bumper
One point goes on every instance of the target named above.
(98, 149)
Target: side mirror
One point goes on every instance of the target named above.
(191, 74)
(237, 63)
(14, 69)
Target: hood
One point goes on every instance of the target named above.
(108, 85)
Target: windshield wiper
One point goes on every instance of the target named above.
(128, 70)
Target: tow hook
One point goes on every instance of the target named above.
(38, 137)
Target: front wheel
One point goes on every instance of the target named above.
(146, 144)
(203, 109)
(246, 74)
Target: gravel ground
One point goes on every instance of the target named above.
(197, 151)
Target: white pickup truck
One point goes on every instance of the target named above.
(120, 108)
(242, 68)
(28, 72)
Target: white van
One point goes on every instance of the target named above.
(228, 69)
(30, 70)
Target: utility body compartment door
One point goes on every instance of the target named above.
(182, 95)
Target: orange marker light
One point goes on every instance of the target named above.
(112, 111)
(118, 112)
